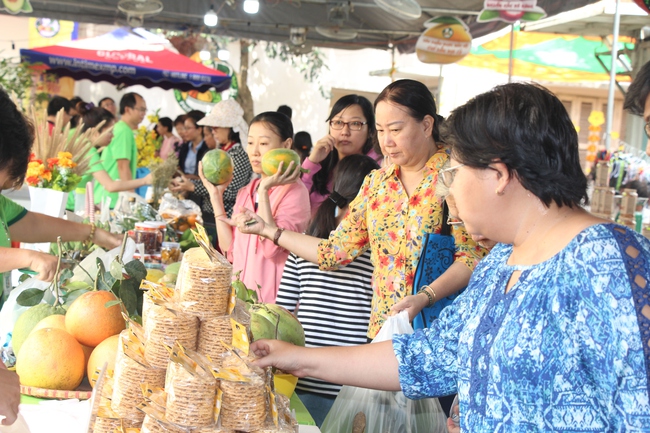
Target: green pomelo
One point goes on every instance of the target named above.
(28, 320)
(275, 322)
(272, 159)
(217, 166)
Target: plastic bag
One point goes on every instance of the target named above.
(180, 214)
(386, 411)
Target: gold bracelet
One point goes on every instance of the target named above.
(424, 291)
(91, 236)
(429, 289)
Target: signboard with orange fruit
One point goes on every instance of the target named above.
(510, 11)
(16, 6)
(446, 40)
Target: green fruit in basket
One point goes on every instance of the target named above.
(28, 320)
(173, 268)
(217, 166)
(275, 322)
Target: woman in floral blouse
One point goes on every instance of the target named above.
(396, 207)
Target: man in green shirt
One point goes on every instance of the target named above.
(120, 157)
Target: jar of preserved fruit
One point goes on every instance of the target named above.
(170, 253)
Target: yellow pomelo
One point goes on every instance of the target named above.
(51, 358)
(104, 353)
(154, 275)
(28, 320)
(53, 321)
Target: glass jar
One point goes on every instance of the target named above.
(148, 236)
(170, 253)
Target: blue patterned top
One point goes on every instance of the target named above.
(561, 351)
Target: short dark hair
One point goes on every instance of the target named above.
(16, 139)
(128, 100)
(638, 92)
(180, 119)
(278, 122)
(527, 128)
(99, 104)
(167, 123)
(348, 178)
(286, 110)
(302, 143)
(322, 178)
(195, 116)
(56, 104)
(416, 98)
(95, 116)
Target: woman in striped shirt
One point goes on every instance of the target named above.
(332, 306)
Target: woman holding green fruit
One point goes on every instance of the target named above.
(281, 199)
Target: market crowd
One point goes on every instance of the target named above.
(545, 324)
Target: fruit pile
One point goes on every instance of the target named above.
(55, 349)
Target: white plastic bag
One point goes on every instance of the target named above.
(11, 310)
(386, 411)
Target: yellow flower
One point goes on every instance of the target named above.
(65, 155)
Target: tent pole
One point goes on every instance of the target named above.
(511, 54)
(612, 78)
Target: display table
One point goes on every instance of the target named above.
(71, 416)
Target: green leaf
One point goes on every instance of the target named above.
(71, 296)
(136, 270)
(73, 286)
(64, 276)
(30, 297)
(116, 270)
(109, 304)
(488, 15)
(23, 278)
(128, 295)
(532, 16)
(105, 281)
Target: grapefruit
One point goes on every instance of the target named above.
(217, 166)
(51, 359)
(90, 322)
(30, 318)
(272, 159)
(104, 353)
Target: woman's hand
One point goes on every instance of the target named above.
(290, 175)
(279, 354)
(106, 240)
(321, 149)
(148, 179)
(43, 264)
(411, 303)
(247, 222)
(213, 190)
(9, 395)
(181, 184)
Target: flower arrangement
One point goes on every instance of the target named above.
(148, 143)
(56, 173)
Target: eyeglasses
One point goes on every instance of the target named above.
(354, 126)
(447, 175)
(647, 129)
(140, 109)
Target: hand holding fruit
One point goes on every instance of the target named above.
(322, 148)
(280, 354)
(9, 395)
(281, 177)
(213, 190)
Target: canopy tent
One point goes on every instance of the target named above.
(374, 26)
(549, 57)
(123, 57)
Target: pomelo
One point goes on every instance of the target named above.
(52, 359)
(104, 353)
(217, 166)
(90, 322)
(272, 159)
(53, 321)
(30, 318)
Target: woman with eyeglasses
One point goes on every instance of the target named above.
(396, 207)
(551, 334)
(351, 132)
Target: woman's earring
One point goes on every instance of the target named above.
(498, 192)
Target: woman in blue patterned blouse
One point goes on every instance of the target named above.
(552, 332)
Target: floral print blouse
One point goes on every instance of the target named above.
(384, 219)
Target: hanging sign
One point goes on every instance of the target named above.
(204, 101)
(16, 6)
(446, 40)
(643, 4)
(510, 11)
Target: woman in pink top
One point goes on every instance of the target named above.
(170, 141)
(352, 132)
(281, 199)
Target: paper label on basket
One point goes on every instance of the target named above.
(272, 405)
(239, 337)
(232, 300)
(217, 405)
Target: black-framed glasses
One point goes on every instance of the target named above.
(647, 129)
(354, 125)
(447, 175)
